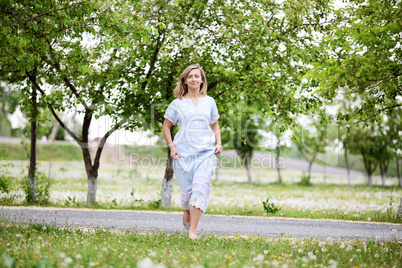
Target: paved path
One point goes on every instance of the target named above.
(145, 221)
(268, 160)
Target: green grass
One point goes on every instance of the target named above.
(60, 152)
(121, 186)
(38, 245)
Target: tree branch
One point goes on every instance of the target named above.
(56, 65)
(31, 78)
(44, 14)
(103, 141)
(153, 61)
(381, 110)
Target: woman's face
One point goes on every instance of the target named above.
(194, 79)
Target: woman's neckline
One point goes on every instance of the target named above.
(199, 98)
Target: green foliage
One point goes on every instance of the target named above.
(8, 261)
(9, 100)
(5, 183)
(270, 207)
(6, 180)
(42, 189)
(156, 204)
(5, 125)
(71, 202)
(44, 128)
(361, 57)
(242, 135)
(305, 180)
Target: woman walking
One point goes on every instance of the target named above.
(193, 149)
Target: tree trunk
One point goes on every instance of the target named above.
(347, 166)
(384, 164)
(383, 179)
(92, 186)
(398, 214)
(310, 164)
(278, 154)
(398, 170)
(32, 164)
(52, 138)
(32, 157)
(370, 166)
(250, 179)
(370, 179)
(167, 182)
(92, 175)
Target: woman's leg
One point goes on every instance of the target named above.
(186, 216)
(200, 192)
(195, 215)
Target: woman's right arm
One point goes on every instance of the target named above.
(166, 133)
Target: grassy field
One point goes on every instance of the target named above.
(38, 245)
(130, 187)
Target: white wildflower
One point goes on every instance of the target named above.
(313, 257)
(300, 250)
(376, 255)
(342, 246)
(259, 258)
(333, 263)
(265, 252)
(68, 260)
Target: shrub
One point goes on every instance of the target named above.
(6, 183)
(270, 207)
(6, 180)
(156, 204)
(42, 188)
(305, 180)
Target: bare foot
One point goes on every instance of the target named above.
(192, 235)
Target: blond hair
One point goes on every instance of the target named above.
(181, 88)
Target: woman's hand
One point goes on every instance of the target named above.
(173, 152)
(218, 149)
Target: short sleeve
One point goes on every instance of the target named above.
(214, 112)
(171, 114)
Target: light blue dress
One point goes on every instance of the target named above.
(195, 142)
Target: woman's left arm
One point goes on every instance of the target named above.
(217, 131)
